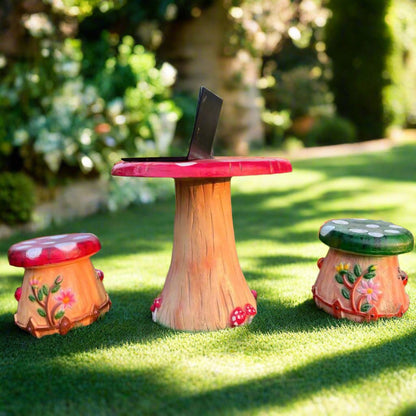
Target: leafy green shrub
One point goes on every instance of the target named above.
(358, 42)
(399, 96)
(300, 92)
(58, 124)
(331, 130)
(17, 198)
(53, 115)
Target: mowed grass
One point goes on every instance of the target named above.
(292, 360)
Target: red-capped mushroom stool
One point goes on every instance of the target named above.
(61, 288)
(360, 278)
(205, 288)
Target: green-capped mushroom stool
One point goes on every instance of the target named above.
(360, 278)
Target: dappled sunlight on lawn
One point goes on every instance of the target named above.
(292, 359)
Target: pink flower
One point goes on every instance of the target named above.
(66, 298)
(34, 282)
(370, 290)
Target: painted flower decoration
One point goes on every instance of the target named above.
(66, 297)
(370, 290)
(34, 282)
(342, 266)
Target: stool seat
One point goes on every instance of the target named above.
(61, 289)
(53, 249)
(360, 278)
(368, 237)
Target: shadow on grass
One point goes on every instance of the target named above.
(112, 388)
(33, 377)
(129, 320)
(304, 381)
(32, 368)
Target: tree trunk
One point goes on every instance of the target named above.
(196, 48)
(14, 40)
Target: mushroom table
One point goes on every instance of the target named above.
(205, 289)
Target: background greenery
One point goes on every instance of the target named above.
(293, 359)
(93, 86)
(84, 83)
(359, 57)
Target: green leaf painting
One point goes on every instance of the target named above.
(60, 314)
(55, 288)
(369, 276)
(351, 278)
(366, 307)
(345, 293)
(339, 278)
(45, 290)
(42, 313)
(357, 270)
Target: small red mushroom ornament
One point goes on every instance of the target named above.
(18, 293)
(403, 276)
(155, 306)
(250, 312)
(100, 274)
(238, 317)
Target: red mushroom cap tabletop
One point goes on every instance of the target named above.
(53, 249)
(220, 167)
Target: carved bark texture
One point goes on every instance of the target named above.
(205, 282)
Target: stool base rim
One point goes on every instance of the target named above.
(65, 324)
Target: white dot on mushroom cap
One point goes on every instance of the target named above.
(358, 230)
(66, 246)
(341, 222)
(186, 163)
(59, 237)
(372, 226)
(392, 231)
(326, 229)
(33, 253)
(395, 226)
(376, 234)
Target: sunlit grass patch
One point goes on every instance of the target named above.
(294, 359)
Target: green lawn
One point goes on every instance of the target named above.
(293, 359)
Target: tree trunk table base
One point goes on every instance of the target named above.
(205, 283)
